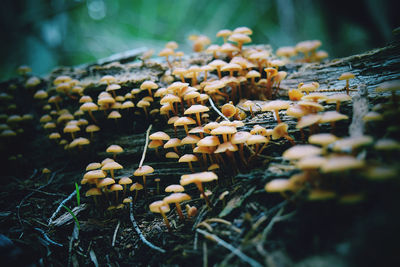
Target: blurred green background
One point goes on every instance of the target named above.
(49, 33)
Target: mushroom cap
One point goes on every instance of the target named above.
(188, 158)
(257, 139)
(315, 97)
(136, 186)
(148, 85)
(48, 125)
(159, 136)
(125, 180)
(113, 87)
(311, 105)
(347, 76)
(145, 169)
(350, 143)
(253, 74)
(40, 94)
(89, 106)
(92, 128)
(196, 109)
(171, 155)
(389, 86)
(143, 103)
(228, 48)
(176, 188)
(338, 97)
(387, 144)
(300, 151)
(176, 198)
(322, 139)
(105, 182)
(223, 130)
(166, 52)
(169, 98)
(310, 163)
(155, 143)
(203, 149)
(80, 141)
(51, 136)
(190, 139)
(108, 79)
(280, 131)
(173, 142)
(227, 146)
(184, 121)
(278, 185)
(127, 200)
(286, 51)
(198, 129)
(275, 105)
(239, 38)
(114, 149)
(114, 115)
(93, 166)
(308, 87)
(200, 177)
(93, 192)
(210, 126)
(112, 166)
(209, 141)
(224, 33)
(257, 129)
(308, 120)
(243, 30)
(228, 110)
(116, 187)
(156, 206)
(231, 67)
(240, 137)
(127, 104)
(341, 163)
(106, 160)
(372, 116)
(217, 63)
(331, 116)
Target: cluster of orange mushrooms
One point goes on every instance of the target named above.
(211, 103)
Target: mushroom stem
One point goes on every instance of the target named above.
(116, 197)
(112, 173)
(241, 153)
(179, 211)
(165, 220)
(290, 139)
(91, 116)
(190, 166)
(186, 129)
(347, 87)
(198, 119)
(219, 72)
(338, 106)
(136, 195)
(144, 185)
(278, 119)
(149, 90)
(200, 187)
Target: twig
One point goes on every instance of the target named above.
(228, 246)
(115, 233)
(217, 110)
(61, 205)
(47, 193)
(47, 238)
(137, 229)
(145, 146)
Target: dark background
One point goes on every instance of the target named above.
(49, 33)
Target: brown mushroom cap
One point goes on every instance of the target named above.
(341, 163)
(112, 166)
(172, 155)
(240, 137)
(114, 149)
(136, 186)
(309, 163)
(125, 180)
(93, 166)
(300, 151)
(145, 169)
(256, 139)
(105, 182)
(156, 206)
(308, 120)
(93, 192)
(188, 158)
(322, 139)
(209, 141)
(176, 198)
(347, 76)
(196, 109)
(173, 142)
(275, 105)
(175, 188)
(198, 177)
(159, 136)
(332, 116)
(278, 186)
(227, 146)
(116, 187)
(350, 143)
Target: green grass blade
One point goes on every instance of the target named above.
(73, 215)
(78, 195)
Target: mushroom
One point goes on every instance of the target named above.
(176, 198)
(89, 107)
(111, 166)
(115, 188)
(114, 149)
(184, 121)
(148, 85)
(174, 188)
(91, 129)
(240, 138)
(93, 192)
(281, 131)
(338, 98)
(166, 52)
(224, 34)
(174, 143)
(275, 106)
(196, 109)
(198, 179)
(137, 187)
(390, 86)
(240, 39)
(124, 181)
(347, 76)
(143, 171)
(189, 158)
(162, 208)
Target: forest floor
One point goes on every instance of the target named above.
(248, 227)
